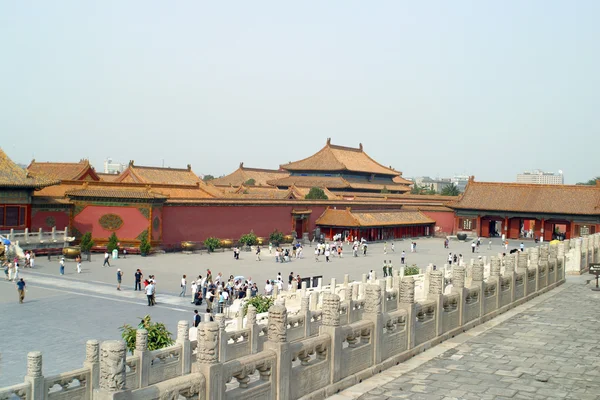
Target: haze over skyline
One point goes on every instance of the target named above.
(439, 88)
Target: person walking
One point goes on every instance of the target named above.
(384, 247)
(197, 319)
(257, 253)
(183, 286)
(473, 245)
(150, 293)
(62, 266)
(138, 280)
(402, 257)
(106, 259)
(32, 259)
(79, 265)
(490, 244)
(390, 268)
(393, 249)
(21, 290)
(385, 268)
(327, 254)
(119, 278)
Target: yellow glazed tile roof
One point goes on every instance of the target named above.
(372, 218)
(243, 174)
(63, 171)
(340, 158)
(13, 176)
(530, 198)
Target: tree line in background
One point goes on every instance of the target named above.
(448, 190)
(591, 182)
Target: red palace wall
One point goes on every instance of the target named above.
(134, 222)
(196, 223)
(44, 218)
(444, 221)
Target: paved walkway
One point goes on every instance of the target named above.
(548, 348)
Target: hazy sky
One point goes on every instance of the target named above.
(432, 88)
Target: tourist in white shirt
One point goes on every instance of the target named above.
(268, 288)
(183, 286)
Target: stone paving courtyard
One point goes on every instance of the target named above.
(62, 312)
(545, 349)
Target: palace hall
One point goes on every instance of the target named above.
(364, 199)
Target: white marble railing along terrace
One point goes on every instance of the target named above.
(352, 332)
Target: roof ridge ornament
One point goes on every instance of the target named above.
(328, 141)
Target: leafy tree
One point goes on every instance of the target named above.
(316, 193)
(591, 182)
(112, 243)
(250, 182)
(276, 237)
(212, 243)
(249, 239)
(450, 190)
(86, 243)
(416, 189)
(158, 335)
(385, 190)
(208, 178)
(145, 245)
(429, 192)
(262, 303)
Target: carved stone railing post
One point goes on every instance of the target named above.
(254, 330)
(458, 287)
(144, 356)
(34, 375)
(277, 342)
(332, 285)
(305, 311)
(382, 285)
(207, 359)
(543, 264)
(494, 267)
(477, 281)
(183, 338)
(560, 256)
(407, 303)
(436, 293)
(585, 246)
(553, 262)
(220, 320)
(374, 300)
(92, 361)
(534, 260)
(330, 325)
(113, 355)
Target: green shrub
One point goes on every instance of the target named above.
(113, 243)
(145, 245)
(262, 303)
(158, 335)
(86, 242)
(212, 243)
(276, 237)
(412, 270)
(249, 239)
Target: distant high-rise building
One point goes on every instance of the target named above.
(460, 181)
(113, 168)
(541, 178)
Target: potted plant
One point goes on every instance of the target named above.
(86, 244)
(212, 243)
(276, 237)
(158, 335)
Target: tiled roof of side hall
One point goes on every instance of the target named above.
(530, 198)
(371, 218)
(340, 158)
(243, 174)
(67, 171)
(13, 176)
(142, 174)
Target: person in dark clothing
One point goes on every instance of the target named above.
(197, 318)
(138, 279)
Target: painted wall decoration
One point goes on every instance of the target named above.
(42, 218)
(110, 222)
(50, 221)
(88, 221)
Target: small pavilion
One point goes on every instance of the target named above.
(374, 225)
